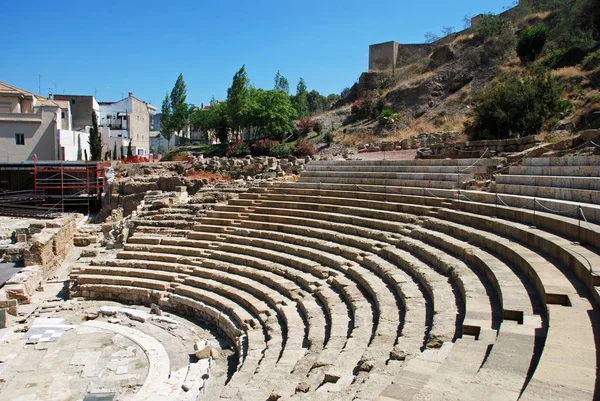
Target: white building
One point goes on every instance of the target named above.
(35, 127)
(127, 120)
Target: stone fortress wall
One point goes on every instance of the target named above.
(392, 55)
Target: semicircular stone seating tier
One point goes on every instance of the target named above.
(387, 281)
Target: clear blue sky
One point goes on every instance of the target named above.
(111, 48)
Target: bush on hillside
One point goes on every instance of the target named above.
(264, 147)
(592, 61)
(238, 149)
(304, 147)
(513, 106)
(282, 150)
(561, 58)
(387, 118)
(531, 43)
(304, 126)
(318, 127)
(490, 25)
(362, 108)
(328, 138)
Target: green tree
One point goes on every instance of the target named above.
(129, 150)
(270, 113)
(236, 98)
(95, 140)
(514, 106)
(166, 127)
(179, 109)
(301, 99)
(281, 83)
(114, 152)
(213, 120)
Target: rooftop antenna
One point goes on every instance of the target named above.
(40, 82)
(96, 92)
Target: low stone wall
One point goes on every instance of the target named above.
(471, 149)
(414, 142)
(251, 166)
(44, 253)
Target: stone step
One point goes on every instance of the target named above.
(418, 162)
(400, 169)
(588, 183)
(563, 161)
(359, 182)
(571, 171)
(368, 188)
(323, 175)
(567, 194)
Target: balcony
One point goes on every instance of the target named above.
(35, 118)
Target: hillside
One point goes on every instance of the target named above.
(435, 92)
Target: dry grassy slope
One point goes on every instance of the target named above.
(434, 99)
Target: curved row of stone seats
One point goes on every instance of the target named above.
(372, 328)
(565, 178)
(473, 282)
(408, 342)
(309, 305)
(423, 271)
(559, 296)
(580, 258)
(339, 327)
(204, 235)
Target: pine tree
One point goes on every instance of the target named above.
(281, 83)
(95, 140)
(301, 99)
(114, 152)
(129, 150)
(166, 129)
(236, 98)
(179, 107)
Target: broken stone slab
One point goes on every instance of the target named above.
(138, 316)
(202, 349)
(109, 310)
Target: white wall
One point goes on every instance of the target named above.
(74, 144)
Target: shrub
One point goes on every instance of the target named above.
(387, 118)
(512, 106)
(328, 138)
(474, 57)
(304, 125)
(362, 108)
(491, 25)
(175, 155)
(264, 147)
(561, 58)
(304, 147)
(531, 43)
(318, 127)
(592, 61)
(282, 151)
(500, 45)
(238, 149)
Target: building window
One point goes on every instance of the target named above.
(20, 139)
(62, 114)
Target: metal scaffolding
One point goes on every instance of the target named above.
(50, 187)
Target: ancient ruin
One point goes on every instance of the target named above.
(236, 279)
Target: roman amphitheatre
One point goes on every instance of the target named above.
(386, 278)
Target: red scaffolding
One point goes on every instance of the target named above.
(68, 184)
